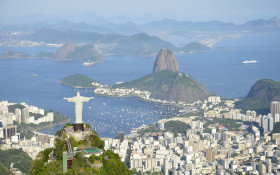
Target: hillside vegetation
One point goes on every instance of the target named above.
(107, 163)
(259, 97)
(169, 85)
(78, 81)
(20, 159)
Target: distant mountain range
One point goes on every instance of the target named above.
(170, 25)
(259, 97)
(139, 44)
(137, 39)
(69, 51)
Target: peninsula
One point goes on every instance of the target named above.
(167, 83)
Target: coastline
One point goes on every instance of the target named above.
(77, 87)
(35, 130)
(140, 98)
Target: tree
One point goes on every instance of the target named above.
(37, 166)
(60, 146)
(176, 127)
(96, 141)
(44, 155)
(276, 128)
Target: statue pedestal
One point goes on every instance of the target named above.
(78, 126)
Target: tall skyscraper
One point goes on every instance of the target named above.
(274, 108)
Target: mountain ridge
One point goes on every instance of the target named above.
(140, 44)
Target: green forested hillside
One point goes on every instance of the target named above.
(169, 85)
(259, 97)
(20, 159)
(78, 80)
(107, 163)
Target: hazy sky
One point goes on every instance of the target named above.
(238, 11)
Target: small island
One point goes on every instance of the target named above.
(79, 81)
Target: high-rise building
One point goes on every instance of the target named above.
(210, 154)
(18, 115)
(274, 108)
(268, 165)
(262, 168)
(265, 123)
(277, 118)
(9, 131)
(270, 123)
(166, 167)
(24, 115)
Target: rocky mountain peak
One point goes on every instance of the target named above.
(166, 61)
(64, 51)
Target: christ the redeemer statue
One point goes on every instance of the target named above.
(78, 100)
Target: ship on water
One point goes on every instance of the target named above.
(88, 63)
(249, 61)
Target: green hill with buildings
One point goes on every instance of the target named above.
(169, 85)
(50, 161)
(260, 95)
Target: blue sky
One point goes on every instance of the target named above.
(237, 11)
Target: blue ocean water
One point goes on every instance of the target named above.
(36, 82)
(220, 71)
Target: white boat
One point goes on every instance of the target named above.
(88, 63)
(249, 61)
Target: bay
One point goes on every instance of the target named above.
(221, 71)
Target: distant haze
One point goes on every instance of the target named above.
(118, 11)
